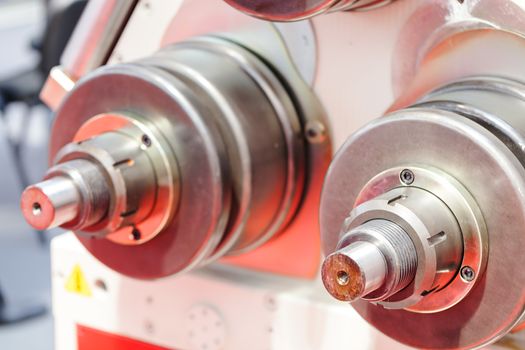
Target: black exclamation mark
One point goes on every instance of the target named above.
(78, 281)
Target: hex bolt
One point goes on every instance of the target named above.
(467, 273)
(407, 177)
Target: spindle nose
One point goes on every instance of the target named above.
(380, 258)
(51, 203)
(354, 271)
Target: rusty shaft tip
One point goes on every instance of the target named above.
(354, 271)
(51, 203)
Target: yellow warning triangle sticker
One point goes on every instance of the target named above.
(77, 283)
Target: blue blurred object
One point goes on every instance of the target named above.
(24, 87)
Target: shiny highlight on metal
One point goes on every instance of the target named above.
(195, 153)
(295, 10)
(378, 253)
(449, 171)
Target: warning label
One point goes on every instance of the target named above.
(77, 283)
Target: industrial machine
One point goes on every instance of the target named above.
(234, 173)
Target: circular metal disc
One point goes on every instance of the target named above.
(242, 124)
(278, 10)
(295, 10)
(494, 177)
(197, 228)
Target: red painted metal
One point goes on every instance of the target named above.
(89, 339)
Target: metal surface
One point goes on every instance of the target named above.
(289, 50)
(300, 9)
(493, 102)
(472, 235)
(90, 46)
(143, 175)
(121, 189)
(51, 203)
(374, 254)
(442, 29)
(474, 321)
(399, 38)
(95, 35)
(247, 146)
(434, 236)
(56, 87)
(238, 145)
(471, 121)
(284, 49)
(469, 46)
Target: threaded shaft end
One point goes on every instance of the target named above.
(396, 245)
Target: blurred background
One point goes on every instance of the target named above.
(33, 34)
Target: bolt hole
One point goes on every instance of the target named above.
(135, 234)
(312, 133)
(343, 278)
(146, 140)
(100, 284)
(37, 209)
(315, 132)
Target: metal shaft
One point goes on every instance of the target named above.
(51, 203)
(75, 194)
(104, 183)
(354, 271)
(378, 261)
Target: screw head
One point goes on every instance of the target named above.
(315, 132)
(467, 273)
(135, 234)
(146, 141)
(407, 177)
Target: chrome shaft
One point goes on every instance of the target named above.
(379, 262)
(51, 203)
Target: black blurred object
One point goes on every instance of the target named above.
(25, 87)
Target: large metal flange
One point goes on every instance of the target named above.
(468, 216)
(434, 139)
(174, 115)
(193, 61)
(289, 50)
(434, 67)
(235, 139)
